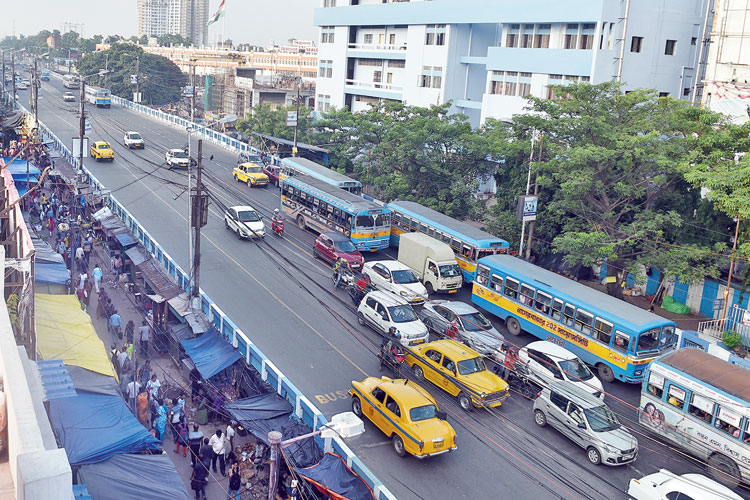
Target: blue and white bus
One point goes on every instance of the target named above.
(302, 166)
(468, 243)
(701, 403)
(324, 208)
(102, 98)
(617, 338)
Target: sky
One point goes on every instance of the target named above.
(247, 21)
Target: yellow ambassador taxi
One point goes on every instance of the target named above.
(406, 413)
(101, 150)
(459, 371)
(251, 174)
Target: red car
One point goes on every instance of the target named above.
(333, 246)
(272, 171)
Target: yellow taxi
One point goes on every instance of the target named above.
(101, 150)
(459, 371)
(251, 174)
(406, 413)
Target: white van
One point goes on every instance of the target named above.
(547, 362)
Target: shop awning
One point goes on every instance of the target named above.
(211, 353)
(112, 223)
(137, 255)
(126, 239)
(197, 321)
(159, 281)
(17, 168)
(12, 121)
(65, 332)
(336, 480)
(103, 213)
(47, 272)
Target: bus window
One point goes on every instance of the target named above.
(622, 341)
(422, 228)
(337, 215)
(383, 220)
(568, 313)
(647, 341)
(728, 421)
(445, 238)
(603, 330)
(348, 221)
(655, 384)
(543, 302)
(407, 223)
(397, 218)
(667, 336)
(527, 295)
(483, 275)
(701, 407)
(676, 396)
(431, 232)
(557, 307)
(484, 252)
(456, 245)
(496, 283)
(584, 320)
(511, 288)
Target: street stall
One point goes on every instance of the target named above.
(333, 478)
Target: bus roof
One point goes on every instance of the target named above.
(329, 192)
(317, 168)
(567, 288)
(723, 375)
(412, 208)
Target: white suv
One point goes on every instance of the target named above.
(245, 222)
(133, 140)
(383, 310)
(547, 362)
(176, 158)
(395, 277)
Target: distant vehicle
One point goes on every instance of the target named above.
(251, 174)
(176, 158)
(22, 86)
(547, 362)
(291, 167)
(331, 247)
(133, 140)
(69, 97)
(101, 98)
(249, 157)
(462, 322)
(101, 150)
(383, 310)
(44, 75)
(245, 222)
(396, 278)
(432, 261)
(71, 82)
(26, 81)
(665, 484)
(272, 171)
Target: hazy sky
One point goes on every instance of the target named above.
(251, 21)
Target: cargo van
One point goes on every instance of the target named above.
(432, 261)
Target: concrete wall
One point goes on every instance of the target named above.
(39, 469)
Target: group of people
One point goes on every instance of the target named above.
(206, 452)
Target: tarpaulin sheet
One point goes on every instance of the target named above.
(334, 478)
(211, 353)
(86, 380)
(261, 407)
(95, 427)
(65, 332)
(18, 167)
(126, 239)
(43, 251)
(46, 272)
(303, 453)
(134, 477)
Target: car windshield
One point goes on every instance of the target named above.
(601, 419)
(423, 413)
(179, 154)
(402, 314)
(449, 270)
(253, 158)
(248, 216)
(404, 276)
(255, 170)
(469, 366)
(103, 146)
(576, 369)
(345, 246)
(475, 322)
(135, 136)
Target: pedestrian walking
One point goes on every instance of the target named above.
(82, 279)
(229, 436)
(235, 481)
(217, 446)
(51, 226)
(152, 387)
(144, 375)
(181, 436)
(118, 266)
(144, 335)
(79, 255)
(160, 422)
(122, 356)
(115, 323)
(134, 390)
(129, 331)
(206, 453)
(198, 479)
(97, 275)
(195, 438)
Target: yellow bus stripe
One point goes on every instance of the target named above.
(371, 235)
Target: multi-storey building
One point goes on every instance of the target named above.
(726, 87)
(188, 18)
(153, 17)
(487, 56)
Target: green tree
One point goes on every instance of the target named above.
(166, 40)
(266, 119)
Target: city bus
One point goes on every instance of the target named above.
(617, 338)
(71, 82)
(44, 75)
(468, 243)
(324, 208)
(296, 166)
(701, 403)
(102, 98)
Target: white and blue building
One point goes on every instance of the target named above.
(487, 55)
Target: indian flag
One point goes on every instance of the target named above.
(219, 14)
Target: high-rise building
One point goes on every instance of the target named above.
(485, 57)
(153, 17)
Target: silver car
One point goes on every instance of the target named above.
(586, 421)
(454, 319)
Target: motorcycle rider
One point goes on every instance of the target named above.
(275, 219)
(338, 270)
(363, 286)
(391, 351)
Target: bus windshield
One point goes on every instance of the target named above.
(404, 276)
(601, 419)
(402, 314)
(648, 341)
(449, 270)
(374, 220)
(469, 366)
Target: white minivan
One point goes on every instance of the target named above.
(547, 362)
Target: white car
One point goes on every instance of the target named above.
(383, 310)
(664, 484)
(133, 140)
(547, 362)
(395, 277)
(245, 222)
(176, 158)
(69, 97)
(463, 322)
(22, 86)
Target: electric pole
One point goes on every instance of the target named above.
(82, 124)
(536, 193)
(200, 216)
(137, 78)
(4, 89)
(13, 70)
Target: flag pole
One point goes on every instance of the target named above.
(224, 25)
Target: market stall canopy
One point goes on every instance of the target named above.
(262, 407)
(45, 272)
(126, 239)
(103, 213)
(13, 121)
(112, 223)
(95, 427)
(157, 278)
(65, 332)
(17, 168)
(42, 250)
(96, 383)
(134, 477)
(336, 480)
(211, 353)
(197, 321)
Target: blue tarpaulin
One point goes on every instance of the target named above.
(211, 353)
(126, 239)
(134, 477)
(46, 272)
(95, 427)
(335, 479)
(18, 168)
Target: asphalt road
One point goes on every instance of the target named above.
(284, 302)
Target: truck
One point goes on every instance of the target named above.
(432, 261)
(44, 75)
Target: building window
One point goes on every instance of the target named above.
(635, 43)
(370, 62)
(686, 92)
(324, 103)
(437, 81)
(326, 34)
(329, 3)
(368, 39)
(527, 37)
(325, 68)
(396, 64)
(511, 39)
(496, 87)
(693, 41)
(524, 89)
(377, 77)
(435, 34)
(511, 78)
(670, 47)
(571, 36)
(541, 40)
(389, 78)
(587, 37)
(430, 77)
(663, 94)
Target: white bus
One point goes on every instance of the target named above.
(701, 403)
(102, 98)
(71, 82)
